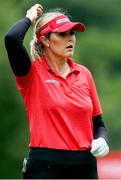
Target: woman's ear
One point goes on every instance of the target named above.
(44, 41)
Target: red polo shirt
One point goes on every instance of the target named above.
(59, 110)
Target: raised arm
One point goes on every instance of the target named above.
(17, 54)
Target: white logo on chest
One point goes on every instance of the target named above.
(54, 81)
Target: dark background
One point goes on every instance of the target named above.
(99, 48)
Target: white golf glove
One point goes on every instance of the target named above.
(34, 12)
(99, 147)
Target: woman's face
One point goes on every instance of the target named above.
(62, 44)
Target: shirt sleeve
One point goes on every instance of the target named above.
(25, 82)
(97, 109)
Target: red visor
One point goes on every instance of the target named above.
(59, 24)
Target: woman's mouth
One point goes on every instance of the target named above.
(69, 47)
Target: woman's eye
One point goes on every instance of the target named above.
(62, 34)
(65, 33)
(72, 32)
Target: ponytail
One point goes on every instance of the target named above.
(36, 49)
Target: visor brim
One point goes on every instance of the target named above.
(79, 27)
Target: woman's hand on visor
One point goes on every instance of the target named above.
(34, 12)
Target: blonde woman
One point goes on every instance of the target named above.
(67, 130)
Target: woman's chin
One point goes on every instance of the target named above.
(70, 54)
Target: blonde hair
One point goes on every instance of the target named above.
(36, 49)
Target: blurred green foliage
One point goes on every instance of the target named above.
(98, 48)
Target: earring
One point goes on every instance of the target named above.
(48, 45)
